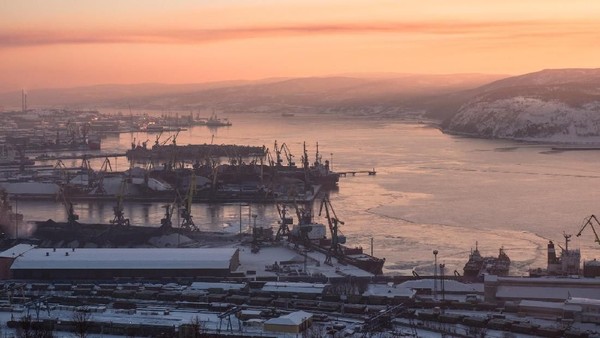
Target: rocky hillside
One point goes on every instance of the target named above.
(559, 105)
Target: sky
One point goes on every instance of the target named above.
(66, 43)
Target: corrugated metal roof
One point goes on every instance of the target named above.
(16, 250)
(125, 258)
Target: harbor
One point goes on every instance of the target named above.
(270, 241)
(409, 176)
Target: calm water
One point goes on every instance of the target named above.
(431, 191)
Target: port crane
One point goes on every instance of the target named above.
(283, 230)
(120, 219)
(288, 155)
(186, 211)
(285, 151)
(333, 222)
(590, 221)
(72, 217)
(106, 166)
(165, 222)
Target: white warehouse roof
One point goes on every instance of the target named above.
(16, 250)
(291, 319)
(125, 258)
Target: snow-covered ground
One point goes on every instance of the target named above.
(529, 118)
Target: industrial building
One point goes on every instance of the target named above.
(292, 323)
(107, 263)
(552, 289)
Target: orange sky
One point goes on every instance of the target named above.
(63, 43)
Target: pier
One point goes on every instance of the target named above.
(75, 157)
(353, 173)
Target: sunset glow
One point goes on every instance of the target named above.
(69, 43)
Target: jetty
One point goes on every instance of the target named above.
(353, 173)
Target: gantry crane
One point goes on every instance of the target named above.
(590, 221)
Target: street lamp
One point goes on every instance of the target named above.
(442, 266)
(435, 252)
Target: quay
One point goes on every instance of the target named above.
(353, 173)
(45, 157)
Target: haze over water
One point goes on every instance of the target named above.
(431, 191)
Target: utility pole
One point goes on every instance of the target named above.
(442, 266)
(435, 252)
(240, 219)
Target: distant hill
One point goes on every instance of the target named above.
(359, 94)
(554, 104)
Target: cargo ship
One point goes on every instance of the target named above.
(313, 235)
(477, 265)
(568, 263)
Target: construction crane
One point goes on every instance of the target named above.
(590, 221)
(186, 211)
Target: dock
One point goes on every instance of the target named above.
(353, 173)
(75, 157)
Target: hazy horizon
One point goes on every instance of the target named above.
(65, 44)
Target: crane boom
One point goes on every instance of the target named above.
(588, 221)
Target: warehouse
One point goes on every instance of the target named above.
(108, 263)
(294, 323)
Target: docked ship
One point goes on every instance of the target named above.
(313, 235)
(10, 157)
(477, 265)
(8, 218)
(214, 121)
(161, 152)
(566, 264)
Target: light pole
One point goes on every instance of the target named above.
(442, 266)
(435, 252)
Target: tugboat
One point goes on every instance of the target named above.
(478, 265)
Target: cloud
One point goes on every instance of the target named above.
(200, 36)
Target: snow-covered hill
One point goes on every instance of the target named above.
(552, 105)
